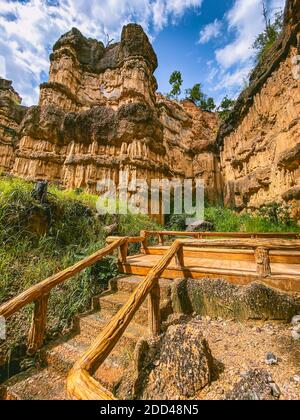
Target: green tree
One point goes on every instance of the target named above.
(266, 39)
(176, 83)
(199, 98)
(225, 107)
(209, 105)
(195, 94)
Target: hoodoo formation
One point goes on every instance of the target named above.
(99, 114)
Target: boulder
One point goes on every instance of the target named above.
(220, 298)
(180, 364)
(201, 226)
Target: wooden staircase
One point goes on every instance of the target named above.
(58, 358)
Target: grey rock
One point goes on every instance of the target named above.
(271, 359)
(256, 385)
(295, 378)
(296, 321)
(200, 226)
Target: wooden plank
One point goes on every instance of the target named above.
(288, 283)
(284, 257)
(35, 292)
(38, 325)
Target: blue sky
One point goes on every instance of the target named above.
(209, 41)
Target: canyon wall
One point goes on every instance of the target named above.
(11, 115)
(99, 116)
(260, 143)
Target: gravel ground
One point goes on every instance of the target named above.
(240, 347)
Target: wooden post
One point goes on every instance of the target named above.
(144, 244)
(154, 310)
(38, 325)
(179, 257)
(161, 239)
(123, 252)
(263, 262)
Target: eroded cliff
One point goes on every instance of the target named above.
(11, 115)
(260, 142)
(99, 115)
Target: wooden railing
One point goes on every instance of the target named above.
(161, 235)
(39, 293)
(80, 383)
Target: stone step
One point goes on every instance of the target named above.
(111, 304)
(35, 384)
(91, 325)
(128, 284)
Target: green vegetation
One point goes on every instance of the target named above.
(271, 218)
(38, 241)
(266, 39)
(199, 98)
(225, 108)
(176, 83)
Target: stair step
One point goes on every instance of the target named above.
(128, 284)
(111, 304)
(36, 384)
(64, 355)
(91, 326)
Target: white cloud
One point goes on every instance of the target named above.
(234, 61)
(29, 29)
(2, 67)
(210, 31)
(246, 20)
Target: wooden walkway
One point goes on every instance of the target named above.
(237, 266)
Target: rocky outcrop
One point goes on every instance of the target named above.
(99, 115)
(221, 299)
(190, 141)
(260, 141)
(11, 115)
(175, 366)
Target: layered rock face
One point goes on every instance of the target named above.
(11, 115)
(96, 114)
(190, 141)
(99, 116)
(260, 144)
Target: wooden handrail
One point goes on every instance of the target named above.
(79, 382)
(39, 294)
(203, 235)
(247, 243)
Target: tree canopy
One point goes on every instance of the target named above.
(199, 98)
(176, 83)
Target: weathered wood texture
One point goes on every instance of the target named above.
(154, 310)
(81, 386)
(262, 256)
(38, 325)
(35, 292)
(203, 235)
(274, 244)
